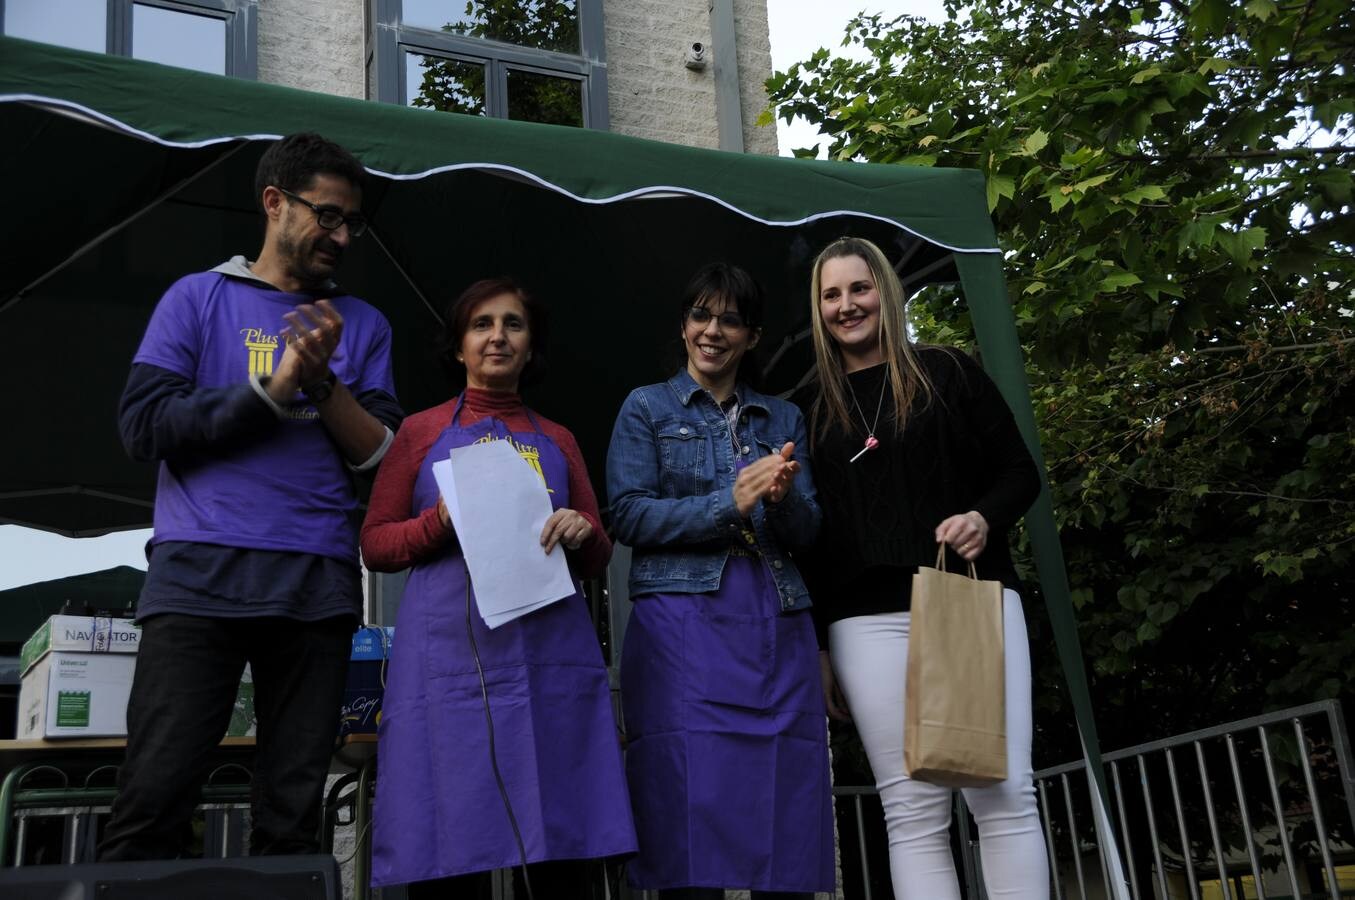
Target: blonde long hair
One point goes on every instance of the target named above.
(907, 379)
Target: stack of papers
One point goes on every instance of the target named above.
(499, 507)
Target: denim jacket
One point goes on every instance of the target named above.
(670, 482)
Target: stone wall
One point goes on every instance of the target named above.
(315, 45)
(652, 94)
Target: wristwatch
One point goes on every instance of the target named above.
(319, 392)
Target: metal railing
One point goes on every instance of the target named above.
(37, 794)
(1258, 798)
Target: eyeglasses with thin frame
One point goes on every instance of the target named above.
(330, 218)
(700, 316)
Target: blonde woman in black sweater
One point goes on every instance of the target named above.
(911, 446)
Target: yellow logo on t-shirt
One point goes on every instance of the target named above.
(531, 454)
(261, 346)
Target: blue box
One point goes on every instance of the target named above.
(361, 711)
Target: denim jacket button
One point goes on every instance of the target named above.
(683, 430)
(744, 450)
(776, 563)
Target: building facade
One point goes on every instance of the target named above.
(688, 72)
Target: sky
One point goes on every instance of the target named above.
(797, 28)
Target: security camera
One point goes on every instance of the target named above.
(696, 56)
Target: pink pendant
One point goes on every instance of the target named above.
(871, 444)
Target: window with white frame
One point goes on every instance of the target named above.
(534, 60)
(217, 36)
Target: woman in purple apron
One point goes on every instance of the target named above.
(440, 814)
(727, 754)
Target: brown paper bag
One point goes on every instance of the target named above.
(955, 710)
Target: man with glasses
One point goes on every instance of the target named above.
(262, 390)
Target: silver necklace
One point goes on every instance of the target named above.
(871, 441)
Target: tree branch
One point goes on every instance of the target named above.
(1331, 501)
(1287, 153)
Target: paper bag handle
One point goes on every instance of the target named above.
(941, 561)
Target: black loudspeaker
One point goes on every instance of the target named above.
(242, 878)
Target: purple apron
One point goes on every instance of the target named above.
(727, 754)
(438, 811)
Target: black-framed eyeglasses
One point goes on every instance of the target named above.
(331, 217)
(700, 316)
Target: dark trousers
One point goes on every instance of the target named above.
(565, 879)
(187, 673)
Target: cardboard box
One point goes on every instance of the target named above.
(77, 677)
(69, 694)
(363, 692)
(87, 634)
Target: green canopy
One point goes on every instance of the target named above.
(125, 175)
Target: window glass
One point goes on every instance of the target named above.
(534, 97)
(542, 24)
(449, 85)
(179, 38)
(82, 24)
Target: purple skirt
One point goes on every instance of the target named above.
(727, 758)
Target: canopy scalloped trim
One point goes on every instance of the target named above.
(640, 193)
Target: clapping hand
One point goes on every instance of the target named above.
(312, 334)
(769, 478)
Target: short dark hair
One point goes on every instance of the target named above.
(292, 163)
(727, 282)
(740, 292)
(456, 319)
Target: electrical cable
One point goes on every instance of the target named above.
(493, 754)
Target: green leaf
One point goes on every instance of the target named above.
(1154, 287)
(1196, 233)
(1089, 183)
(1145, 192)
(1260, 9)
(1239, 245)
(1215, 64)
(1146, 74)
(1210, 16)
(1119, 279)
(999, 186)
(1034, 142)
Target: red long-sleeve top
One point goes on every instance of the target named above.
(392, 541)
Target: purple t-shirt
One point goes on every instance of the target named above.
(288, 489)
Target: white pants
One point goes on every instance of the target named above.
(870, 657)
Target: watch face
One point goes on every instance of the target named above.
(320, 391)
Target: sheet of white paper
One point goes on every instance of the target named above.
(499, 505)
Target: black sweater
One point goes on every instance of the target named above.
(960, 451)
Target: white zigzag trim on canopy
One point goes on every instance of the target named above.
(78, 111)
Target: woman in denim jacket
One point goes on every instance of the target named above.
(727, 754)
